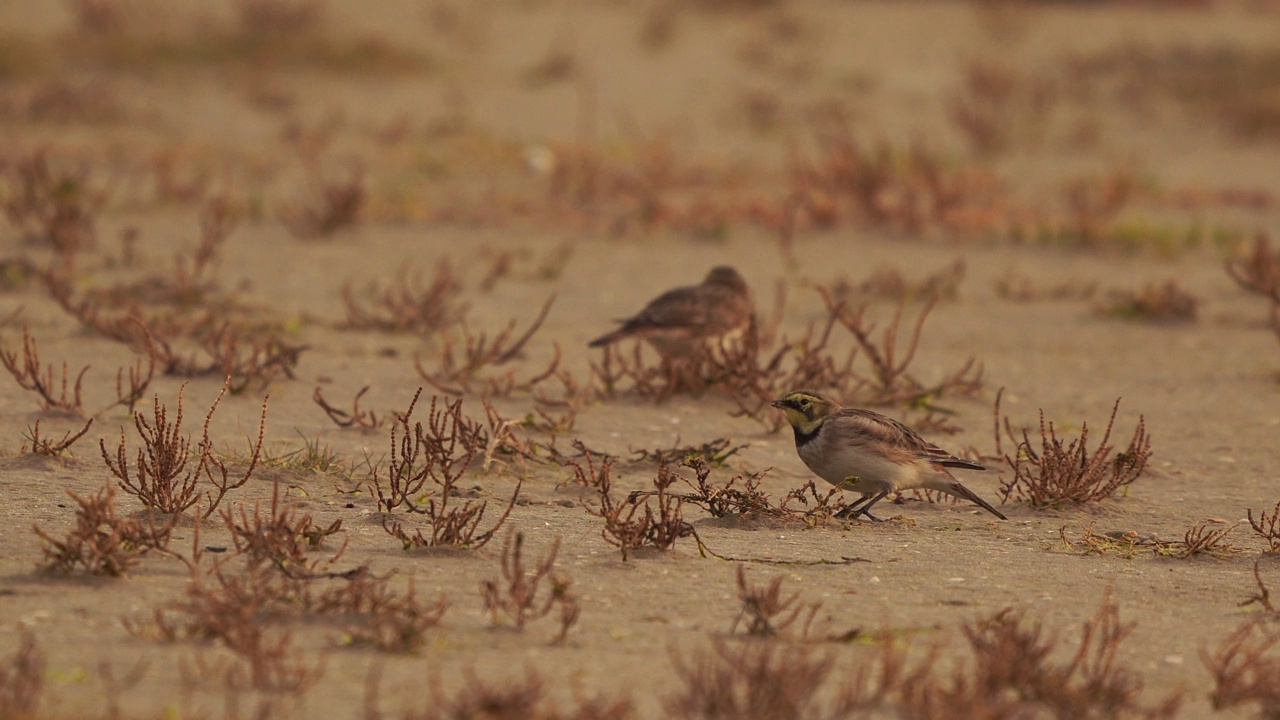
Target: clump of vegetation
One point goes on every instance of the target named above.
(651, 519)
(102, 541)
(891, 284)
(355, 417)
(715, 452)
(756, 680)
(439, 452)
(728, 500)
(517, 595)
(1245, 671)
(407, 304)
(1259, 271)
(996, 105)
(52, 200)
(1054, 472)
(1012, 669)
(22, 678)
(463, 358)
(1267, 527)
(162, 476)
(1163, 302)
(1199, 539)
(56, 393)
(766, 612)
(45, 445)
(281, 536)
(50, 386)
(1021, 288)
(510, 697)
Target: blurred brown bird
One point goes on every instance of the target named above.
(718, 310)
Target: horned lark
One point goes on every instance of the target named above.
(868, 453)
(677, 320)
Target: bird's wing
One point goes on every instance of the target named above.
(887, 430)
(681, 307)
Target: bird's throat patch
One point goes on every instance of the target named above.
(804, 438)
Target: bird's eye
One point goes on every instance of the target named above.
(804, 402)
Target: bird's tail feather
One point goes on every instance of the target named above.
(948, 484)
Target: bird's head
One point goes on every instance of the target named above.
(726, 276)
(806, 410)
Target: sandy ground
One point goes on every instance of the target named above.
(1207, 388)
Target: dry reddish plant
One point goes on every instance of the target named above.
(161, 477)
(138, 384)
(1200, 539)
(1014, 672)
(516, 596)
(244, 611)
(279, 17)
(1263, 597)
(1156, 302)
(1267, 527)
(591, 476)
(879, 185)
(1059, 472)
(1245, 671)
(1093, 203)
(48, 446)
(996, 104)
(508, 698)
(633, 523)
(1022, 288)
(22, 677)
(459, 367)
(1123, 544)
(826, 506)
(102, 542)
(363, 419)
(54, 205)
(248, 363)
(889, 381)
(1259, 273)
(772, 680)
(190, 283)
(715, 452)
(767, 613)
(408, 305)
(56, 394)
(236, 610)
(890, 283)
(1013, 669)
(383, 618)
(282, 536)
(727, 500)
(441, 453)
(52, 388)
(334, 205)
(240, 352)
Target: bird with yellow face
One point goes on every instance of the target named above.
(868, 453)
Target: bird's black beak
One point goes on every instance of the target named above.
(781, 404)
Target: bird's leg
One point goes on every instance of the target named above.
(852, 507)
(860, 507)
(865, 510)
